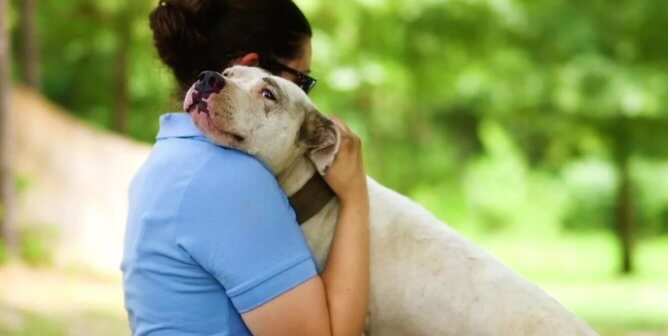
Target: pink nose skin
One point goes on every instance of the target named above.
(209, 82)
(196, 100)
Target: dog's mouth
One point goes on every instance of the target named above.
(198, 101)
(198, 107)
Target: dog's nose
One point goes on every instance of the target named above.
(209, 82)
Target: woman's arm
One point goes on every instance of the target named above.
(337, 302)
(346, 274)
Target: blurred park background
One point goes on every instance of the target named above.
(538, 128)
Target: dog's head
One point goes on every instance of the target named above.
(267, 116)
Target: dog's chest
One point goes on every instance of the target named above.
(319, 231)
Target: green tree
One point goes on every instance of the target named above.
(7, 189)
(566, 80)
(479, 109)
(29, 41)
(101, 64)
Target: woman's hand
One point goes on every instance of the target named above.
(346, 176)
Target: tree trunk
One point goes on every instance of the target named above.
(121, 70)
(624, 204)
(7, 188)
(30, 68)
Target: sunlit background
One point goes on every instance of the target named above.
(538, 128)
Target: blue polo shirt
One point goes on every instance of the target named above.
(210, 234)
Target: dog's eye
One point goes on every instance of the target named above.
(268, 94)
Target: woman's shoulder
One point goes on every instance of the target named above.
(231, 171)
(233, 185)
(205, 158)
(236, 163)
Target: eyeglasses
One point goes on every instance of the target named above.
(304, 81)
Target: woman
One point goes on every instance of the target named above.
(212, 247)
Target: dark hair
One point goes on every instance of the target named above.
(196, 35)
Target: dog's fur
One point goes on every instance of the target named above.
(426, 279)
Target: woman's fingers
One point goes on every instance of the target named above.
(349, 140)
(346, 176)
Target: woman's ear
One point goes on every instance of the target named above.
(250, 59)
(321, 138)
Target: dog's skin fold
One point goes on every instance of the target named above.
(426, 279)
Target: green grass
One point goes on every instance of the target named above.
(3, 252)
(581, 272)
(25, 323)
(31, 324)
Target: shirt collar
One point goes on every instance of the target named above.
(180, 125)
(177, 125)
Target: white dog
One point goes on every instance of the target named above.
(426, 279)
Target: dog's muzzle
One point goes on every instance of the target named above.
(209, 82)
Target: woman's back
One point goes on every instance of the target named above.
(210, 235)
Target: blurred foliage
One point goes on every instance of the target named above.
(33, 251)
(36, 244)
(497, 115)
(82, 323)
(35, 325)
(503, 115)
(577, 275)
(3, 253)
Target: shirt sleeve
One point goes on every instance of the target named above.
(235, 221)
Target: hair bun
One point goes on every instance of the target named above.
(179, 29)
(172, 16)
(192, 7)
(177, 17)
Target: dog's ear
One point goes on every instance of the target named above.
(321, 138)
